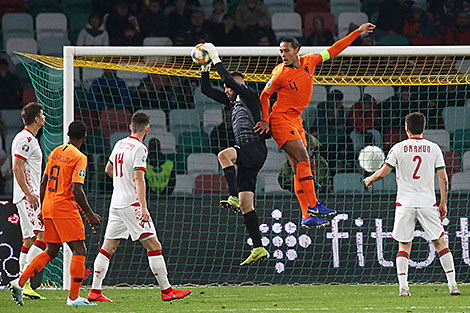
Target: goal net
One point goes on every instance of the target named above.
(360, 98)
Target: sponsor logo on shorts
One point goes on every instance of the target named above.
(25, 148)
(82, 173)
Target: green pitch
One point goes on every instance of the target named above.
(278, 298)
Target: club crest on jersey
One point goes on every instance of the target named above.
(82, 173)
(25, 148)
(29, 139)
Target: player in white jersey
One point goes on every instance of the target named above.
(27, 162)
(415, 161)
(128, 214)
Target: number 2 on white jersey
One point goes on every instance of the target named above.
(119, 159)
(419, 159)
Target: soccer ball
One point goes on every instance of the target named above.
(371, 158)
(199, 55)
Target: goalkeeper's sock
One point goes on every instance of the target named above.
(301, 197)
(304, 174)
(100, 268)
(23, 259)
(77, 270)
(158, 267)
(36, 265)
(37, 248)
(447, 262)
(231, 177)
(402, 269)
(252, 225)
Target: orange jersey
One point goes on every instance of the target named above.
(65, 165)
(294, 86)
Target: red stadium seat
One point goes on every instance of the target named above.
(426, 41)
(210, 183)
(452, 160)
(114, 120)
(303, 7)
(392, 137)
(12, 6)
(29, 95)
(327, 17)
(90, 118)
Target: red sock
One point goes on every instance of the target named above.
(36, 265)
(304, 174)
(301, 197)
(77, 270)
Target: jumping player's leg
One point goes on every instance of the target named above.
(227, 159)
(100, 268)
(299, 192)
(404, 249)
(158, 267)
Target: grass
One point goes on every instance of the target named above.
(275, 298)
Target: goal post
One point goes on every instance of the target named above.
(203, 244)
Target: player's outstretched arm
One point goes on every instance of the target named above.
(208, 90)
(378, 175)
(139, 178)
(444, 188)
(80, 197)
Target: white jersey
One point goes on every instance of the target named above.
(26, 147)
(128, 155)
(416, 161)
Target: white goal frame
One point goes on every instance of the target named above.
(69, 52)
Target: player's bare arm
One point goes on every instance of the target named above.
(18, 170)
(80, 197)
(378, 175)
(366, 28)
(109, 169)
(444, 188)
(139, 178)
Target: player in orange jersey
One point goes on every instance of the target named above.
(293, 81)
(61, 193)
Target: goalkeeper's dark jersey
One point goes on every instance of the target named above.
(245, 108)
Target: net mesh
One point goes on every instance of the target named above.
(353, 105)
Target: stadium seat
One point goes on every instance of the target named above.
(184, 185)
(380, 93)
(90, 118)
(466, 162)
(50, 25)
(158, 41)
(461, 141)
(193, 142)
(279, 6)
(271, 145)
(11, 6)
(456, 118)
(359, 140)
(426, 41)
(287, 24)
(306, 6)
(212, 118)
(460, 182)
(452, 160)
(348, 182)
(210, 184)
(116, 136)
(200, 98)
(27, 45)
(339, 6)
(392, 137)
(386, 185)
(351, 94)
(328, 18)
(29, 95)
(318, 95)
(167, 140)
(42, 6)
(268, 183)
(10, 135)
(439, 136)
(186, 120)
(17, 25)
(89, 74)
(132, 79)
(12, 120)
(53, 46)
(347, 18)
(113, 120)
(274, 162)
(157, 119)
(199, 163)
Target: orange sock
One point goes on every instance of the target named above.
(304, 174)
(77, 270)
(36, 265)
(301, 197)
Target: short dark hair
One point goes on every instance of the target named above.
(415, 122)
(77, 130)
(30, 112)
(140, 121)
(237, 74)
(293, 41)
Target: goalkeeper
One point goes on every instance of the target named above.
(250, 150)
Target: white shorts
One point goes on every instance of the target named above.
(405, 222)
(29, 221)
(123, 222)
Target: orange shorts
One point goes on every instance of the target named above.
(285, 128)
(59, 231)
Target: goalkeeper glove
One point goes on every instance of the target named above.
(206, 67)
(213, 54)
